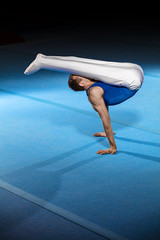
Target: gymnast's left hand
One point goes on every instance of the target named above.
(111, 151)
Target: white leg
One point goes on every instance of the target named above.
(119, 74)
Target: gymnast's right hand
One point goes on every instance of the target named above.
(111, 150)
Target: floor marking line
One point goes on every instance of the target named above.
(62, 212)
(62, 106)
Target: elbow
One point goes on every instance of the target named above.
(105, 118)
(106, 122)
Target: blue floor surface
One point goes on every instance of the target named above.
(48, 152)
(21, 219)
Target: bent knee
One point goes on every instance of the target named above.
(138, 77)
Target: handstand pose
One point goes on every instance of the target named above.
(106, 84)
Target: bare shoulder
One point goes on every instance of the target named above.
(95, 91)
(95, 94)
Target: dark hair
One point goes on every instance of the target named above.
(74, 83)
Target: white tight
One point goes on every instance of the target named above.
(120, 74)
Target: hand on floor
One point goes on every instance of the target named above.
(107, 151)
(101, 134)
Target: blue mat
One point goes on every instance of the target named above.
(48, 153)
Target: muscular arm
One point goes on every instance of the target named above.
(96, 99)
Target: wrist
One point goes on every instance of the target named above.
(113, 146)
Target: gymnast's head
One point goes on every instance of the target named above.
(79, 83)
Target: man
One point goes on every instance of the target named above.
(95, 96)
(106, 84)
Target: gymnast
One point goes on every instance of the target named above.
(106, 84)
